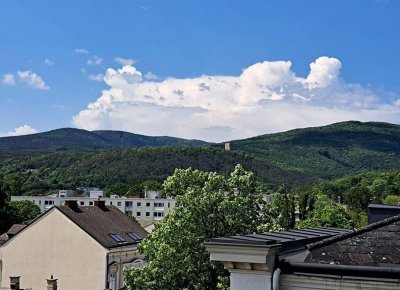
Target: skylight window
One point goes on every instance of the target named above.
(117, 238)
(134, 236)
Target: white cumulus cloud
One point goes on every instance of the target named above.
(32, 79)
(22, 130)
(265, 97)
(124, 61)
(8, 80)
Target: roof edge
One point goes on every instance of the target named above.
(353, 233)
(29, 225)
(342, 270)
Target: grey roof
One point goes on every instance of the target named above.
(15, 229)
(101, 222)
(289, 240)
(377, 245)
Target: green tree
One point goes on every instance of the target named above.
(118, 188)
(326, 213)
(152, 185)
(22, 211)
(175, 250)
(12, 184)
(392, 200)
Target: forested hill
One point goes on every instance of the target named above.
(77, 139)
(40, 174)
(292, 158)
(330, 151)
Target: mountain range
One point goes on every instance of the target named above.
(73, 157)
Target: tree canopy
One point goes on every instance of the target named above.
(208, 205)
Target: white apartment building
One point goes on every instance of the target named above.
(151, 208)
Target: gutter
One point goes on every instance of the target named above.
(276, 277)
(341, 270)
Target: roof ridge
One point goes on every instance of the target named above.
(353, 233)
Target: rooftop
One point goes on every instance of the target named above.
(289, 240)
(377, 245)
(106, 224)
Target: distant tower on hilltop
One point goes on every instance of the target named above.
(227, 146)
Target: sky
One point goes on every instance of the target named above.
(214, 70)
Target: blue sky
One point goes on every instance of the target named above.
(214, 70)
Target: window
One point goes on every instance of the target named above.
(134, 236)
(147, 203)
(118, 203)
(90, 202)
(147, 213)
(128, 203)
(49, 202)
(158, 204)
(158, 214)
(117, 238)
(40, 202)
(139, 204)
(128, 213)
(110, 202)
(138, 213)
(82, 203)
(169, 205)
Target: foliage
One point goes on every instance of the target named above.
(360, 218)
(42, 174)
(391, 200)
(23, 211)
(331, 151)
(66, 139)
(205, 209)
(281, 212)
(17, 212)
(70, 158)
(326, 213)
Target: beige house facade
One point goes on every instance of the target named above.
(77, 245)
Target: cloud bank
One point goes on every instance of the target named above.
(22, 130)
(28, 77)
(266, 97)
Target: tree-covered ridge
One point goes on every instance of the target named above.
(292, 158)
(39, 174)
(78, 139)
(331, 151)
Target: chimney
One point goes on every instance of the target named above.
(14, 282)
(378, 212)
(100, 203)
(72, 204)
(51, 283)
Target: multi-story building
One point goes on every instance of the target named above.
(151, 208)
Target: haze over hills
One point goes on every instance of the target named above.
(292, 158)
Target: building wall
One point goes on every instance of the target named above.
(144, 210)
(54, 245)
(308, 282)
